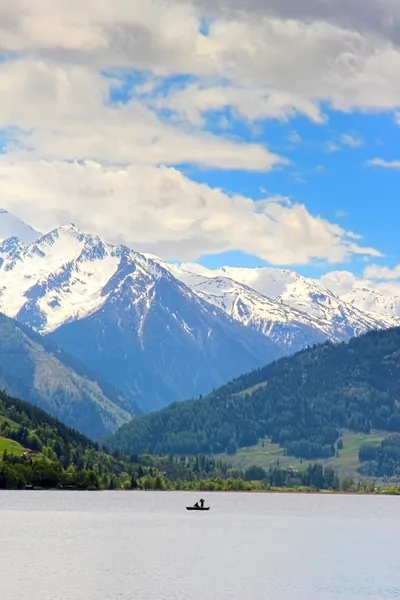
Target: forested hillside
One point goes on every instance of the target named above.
(382, 460)
(39, 450)
(300, 402)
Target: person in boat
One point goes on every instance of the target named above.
(196, 505)
(201, 505)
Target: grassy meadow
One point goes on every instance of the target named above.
(266, 454)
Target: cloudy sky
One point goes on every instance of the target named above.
(242, 132)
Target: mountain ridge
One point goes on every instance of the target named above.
(300, 402)
(35, 368)
(306, 312)
(157, 331)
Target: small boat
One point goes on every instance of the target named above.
(198, 506)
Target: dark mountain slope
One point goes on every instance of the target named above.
(33, 367)
(301, 402)
(159, 342)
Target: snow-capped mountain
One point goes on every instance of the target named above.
(287, 327)
(163, 332)
(11, 226)
(306, 295)
(125, 316)
(58, 278)
(374, 302)
(293, 311)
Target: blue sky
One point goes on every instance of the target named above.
(330, 169)
(204, 133)
(332, 179)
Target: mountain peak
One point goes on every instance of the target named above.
(12, 226)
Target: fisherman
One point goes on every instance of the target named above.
(201, 505)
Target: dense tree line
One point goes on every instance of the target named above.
(314, 477)
(56, 456)
(382, 460)
(51, 455)
(300, 402)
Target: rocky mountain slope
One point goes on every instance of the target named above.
(296, 313)
(34, 368)
(125, 316)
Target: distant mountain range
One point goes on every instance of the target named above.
(298, 312)
(156, 331)
(372, 301)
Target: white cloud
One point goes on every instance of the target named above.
(67, 118)
(159, 210)
(339, 282)
(262, 60)
(384, 164)
(378, 272)
(377, 17)
(302, 51)
(381, 280)
(192, 101)
(331, 146)
(157, 35)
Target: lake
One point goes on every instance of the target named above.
(145, 545)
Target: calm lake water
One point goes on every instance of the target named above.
(135, 545)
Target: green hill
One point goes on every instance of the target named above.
(11, 447)
(37, 449)
(300, 402)
(34, 368)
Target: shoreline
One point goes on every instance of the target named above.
(309, 491)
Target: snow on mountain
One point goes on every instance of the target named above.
(11, 226)
(65, 275)
(57, 278)
(304, 294)
(374, 302)
(308, 296)
(160, 331)
(125, 316)
(290, 329)
(288, 308)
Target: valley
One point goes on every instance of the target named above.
(151, 356)
(301, 403)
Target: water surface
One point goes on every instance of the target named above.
(145, 545)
